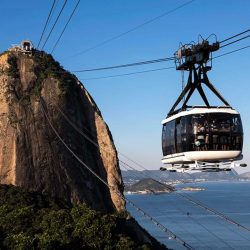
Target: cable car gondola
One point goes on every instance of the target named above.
(202, 138)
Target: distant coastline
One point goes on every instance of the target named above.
(165, 182)
(146, 192)
(191, 188)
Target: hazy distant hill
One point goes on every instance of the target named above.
(149, 185)
(133, 176)
(245, 175)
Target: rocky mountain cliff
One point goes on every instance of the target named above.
(33, 86)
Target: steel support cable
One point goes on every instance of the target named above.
(92, 141)
(124, 164)
(233, 231)
(73, 12)
(68, 148)
(233, 51)
(169, 217)
(56, 4)
(46, 23)
(58, 16)
(213, 211)
(181, 195)
(198, 203)
(128, 74)
(127, 167)
(239, 34)
(133, 29)
(130, 202)
(150, 61)
(201, 205)
(151, 176)
(179, 224)
(169, 232)
(209, 231)
(159, 69)
(126, 65)
(163, 228)
(204, 227)
(235, 41)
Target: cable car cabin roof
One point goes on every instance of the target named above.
(200, 110)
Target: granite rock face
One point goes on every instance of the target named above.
(44, 110)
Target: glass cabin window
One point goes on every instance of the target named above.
(203, 132)
(164, 140)
(187, 133)
(168, 138)
(217, 131)
(178, 136)
(236, 124)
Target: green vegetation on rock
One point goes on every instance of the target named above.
(149, 185)
(29, 220)
(47, 67)
(13, 68)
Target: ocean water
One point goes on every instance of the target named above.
(200, 229)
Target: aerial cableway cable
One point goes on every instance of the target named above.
(127, 65)
(87, 137)
(180, 225)
(128, 74)
(127, 167)
(208, 230)
(157, 223)
(149, 62)
(186, 197)
(73, 12)
(54, 11)
(158, 69)
(46, 23)
(200, 204)
(205, 207)
(154, 60)
(239, 34)
(231, 52)
(51, 30)
(235, 41)
(132, 29)
(213, 211)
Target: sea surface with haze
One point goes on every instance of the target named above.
(199, 228)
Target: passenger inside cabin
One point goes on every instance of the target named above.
(215, 142)
(224, 142)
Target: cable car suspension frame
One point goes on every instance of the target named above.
(194, 58)
(186, 58)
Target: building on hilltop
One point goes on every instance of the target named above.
(26, 47)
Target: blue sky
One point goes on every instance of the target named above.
(133, 106)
